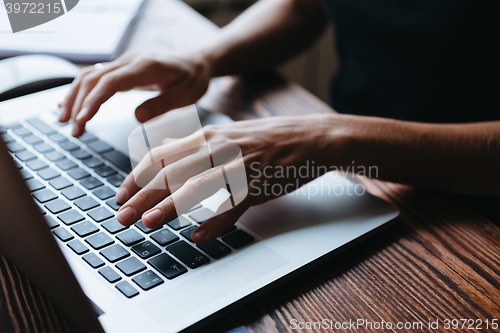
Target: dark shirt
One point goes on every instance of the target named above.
(421, 60)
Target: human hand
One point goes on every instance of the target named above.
(266, 145)
(180, 80)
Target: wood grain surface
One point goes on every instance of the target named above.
(439, 260)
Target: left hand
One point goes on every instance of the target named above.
(266, 145)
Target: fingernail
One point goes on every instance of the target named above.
(125, 215)
(153, 217)
(82, 114)
(199, 235)
(122, 195)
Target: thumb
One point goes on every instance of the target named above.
(217, 225)
(159, 105)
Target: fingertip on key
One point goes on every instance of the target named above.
(125, 215)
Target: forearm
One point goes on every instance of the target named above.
(266, 34)
(455, 158)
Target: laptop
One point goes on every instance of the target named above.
(58, 226)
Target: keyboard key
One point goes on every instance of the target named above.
(130, 237)
(15, 147)
(22, 131)
(78, 247)
(81, 154)
(113, 226)
(164, 237)
(87, 137)
(100, 240)
(237, 239)
(93, 162)
(100, 214)
(66, 165)
(57, 138)
(147, 280)
(43, 147)
(32, 140)
(126, 289)
(51, 222)
(143, 228)
(116, 180)
(86, 203)
(90, 183)
(130, 266)
(104, 193)
(36, 165)
(69, 145)
(72, 193)
(41, 126)
(110, 274)
(34, 185)
(187, 254)
(114, 253)
(119, 160)
(201, 215)
(48, 173)
(100, 147)
(60, 182)
(179, 223)
(105, 171)
(113, 204)
(71, 217)
(18, 165)
(54, 156)
(63, 234)
(186, 233)
(26, 174)
(25, 156)
(44, 195)
(78, 173)
(57, 206)
(93, 260)
(42, 211)
(167, 266)
(7, 138)
(84, 229)
(215, 248)
(146, 250)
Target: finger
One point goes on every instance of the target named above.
(124, 78)
(157, 158)
(167, 140)
(218, 224)
(69, 100)
(173, 98)
(191, 193)
(86, 85)
(168, 180)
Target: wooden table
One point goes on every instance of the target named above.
(439, 261)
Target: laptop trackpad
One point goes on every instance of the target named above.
(242, 271)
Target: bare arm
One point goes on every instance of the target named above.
(265, 35)
(453, 158)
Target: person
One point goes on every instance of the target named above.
(416, 91)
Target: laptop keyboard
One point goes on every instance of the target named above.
(74, 182)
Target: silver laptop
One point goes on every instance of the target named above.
(57, 224)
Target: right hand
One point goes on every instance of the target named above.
(180, 80)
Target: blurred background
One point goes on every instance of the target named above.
(312, 69)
